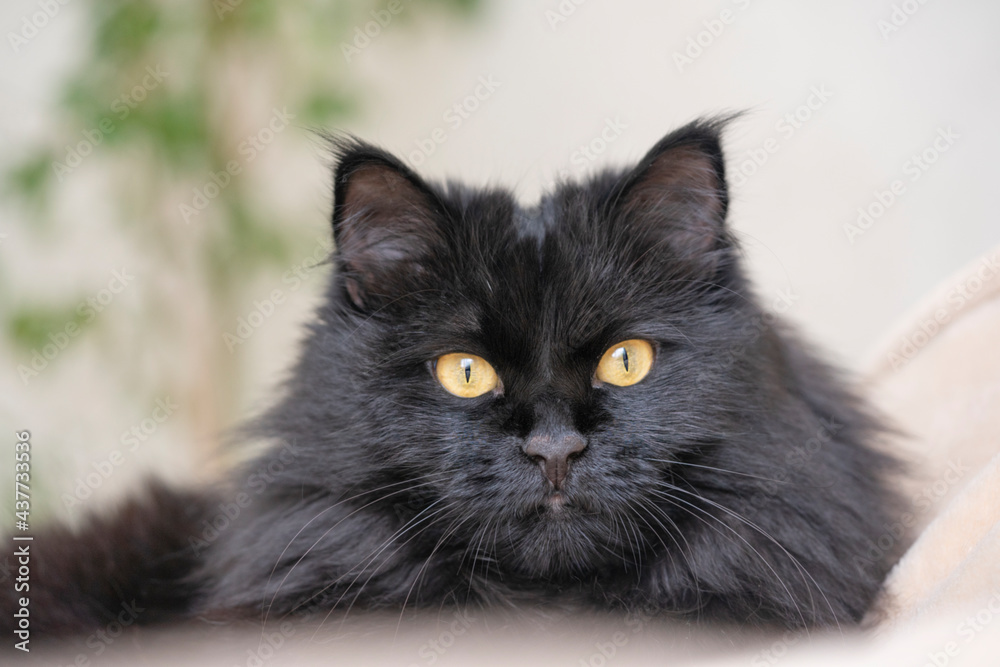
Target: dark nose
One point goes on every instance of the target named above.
(553, 451)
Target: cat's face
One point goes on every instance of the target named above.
(530, 374)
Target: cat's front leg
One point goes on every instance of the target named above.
(762, 569)
(325, 555)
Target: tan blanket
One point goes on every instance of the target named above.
(938, 376)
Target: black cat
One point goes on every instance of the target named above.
(578, 401)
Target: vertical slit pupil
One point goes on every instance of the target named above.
(625, 358)
(467, 367)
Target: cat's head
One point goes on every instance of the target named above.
(520, 379)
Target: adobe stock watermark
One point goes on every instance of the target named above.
(713, 29)
(915, 167)
(270, 642)
(433, 649)
(561, 13)
(796, 458)
(454, 117)
(967, 630)
(230, 510)
(122, 106)
(223, 7)
(84, 487)
(899, 16)
(87, 310)
(957, 298)
(786, 127)
(783, 301)
(587, 153)
(771, 654)
(876, 550)
(34, 23)
(605, 650)
(100, 641)
(264, 308)
(248, 150)
(363, 35)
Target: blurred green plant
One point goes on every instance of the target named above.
(170, 88)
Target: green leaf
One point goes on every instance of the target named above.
(30, 326)
(125, 29)
(325, 108)
(31, 181)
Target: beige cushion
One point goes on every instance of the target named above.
(943, 389)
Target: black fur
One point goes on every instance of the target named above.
(132, 567)
(738, 480)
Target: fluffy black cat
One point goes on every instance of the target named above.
(497, 405)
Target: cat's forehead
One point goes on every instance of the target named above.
(537, 221)
(552, 279)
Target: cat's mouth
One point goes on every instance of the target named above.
(556, 501)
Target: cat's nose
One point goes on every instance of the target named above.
(553, 452)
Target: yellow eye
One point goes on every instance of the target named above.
(465, 375)
(626, 363)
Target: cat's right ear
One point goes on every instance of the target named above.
(676, 198)
(384, 223)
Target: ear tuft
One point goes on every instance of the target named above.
(385, 222)
(677, 193)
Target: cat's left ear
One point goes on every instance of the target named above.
(385, 223)
(677, 197)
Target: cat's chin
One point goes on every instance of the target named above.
(559, 539)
